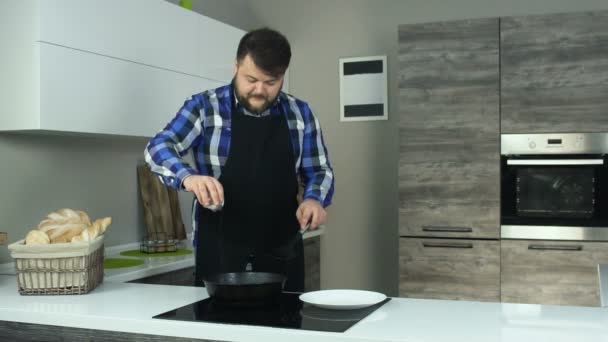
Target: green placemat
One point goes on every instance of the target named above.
(121, 262)
(137, 253)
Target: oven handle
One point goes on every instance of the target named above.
(555, 161)
(555, 247)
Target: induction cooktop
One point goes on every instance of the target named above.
(288, 311)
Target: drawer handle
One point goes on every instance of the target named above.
(447, 245)
(555, 248)
(447, 229)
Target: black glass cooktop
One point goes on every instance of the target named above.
(288, 311)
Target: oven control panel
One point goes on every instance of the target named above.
(557, 143)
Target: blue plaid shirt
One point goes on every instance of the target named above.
(203, 126)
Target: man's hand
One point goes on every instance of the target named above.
(311, 211)
(207, 190)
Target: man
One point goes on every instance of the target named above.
(250, 142)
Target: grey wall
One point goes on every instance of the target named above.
(360, 248)
(42, 173)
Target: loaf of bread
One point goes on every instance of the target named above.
(64, 216)
(103, 224)
(98, 227)
(37, 237)
(62, 225)
(67, 232)
(67, 225)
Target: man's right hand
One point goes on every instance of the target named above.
(207, 190)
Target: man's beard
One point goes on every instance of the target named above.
(244, 101)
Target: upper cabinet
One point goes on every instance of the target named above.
(554, 73)
(449, 129)
(156, 33)
(108, 67)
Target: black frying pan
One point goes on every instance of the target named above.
(245, 286)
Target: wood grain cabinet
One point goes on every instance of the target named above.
(551, 272)
(449, 129)
(462, 84)
(449, 160)
(554, 73)
(463, 269)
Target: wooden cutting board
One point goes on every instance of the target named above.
(161, 206)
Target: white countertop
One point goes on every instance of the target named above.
(126, 307)
(129, 308)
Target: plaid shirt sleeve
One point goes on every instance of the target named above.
(316, 171)
(165, 150)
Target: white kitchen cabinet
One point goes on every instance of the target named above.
(109, 67)
(151, 32)
(83, 92)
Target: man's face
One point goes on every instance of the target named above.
(255, 89)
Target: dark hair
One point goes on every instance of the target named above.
(269, 50)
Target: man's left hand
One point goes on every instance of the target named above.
(311, 211)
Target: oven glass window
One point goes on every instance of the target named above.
(555, 192)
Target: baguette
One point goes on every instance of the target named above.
(98, 227)
(88, 234)
(37, 237)
(67, 225)
(62, 217)
(66, 233)
(103, 224)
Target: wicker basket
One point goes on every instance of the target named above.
(58, 269)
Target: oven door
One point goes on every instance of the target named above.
(554, 197)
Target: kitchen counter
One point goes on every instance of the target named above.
(128, 308)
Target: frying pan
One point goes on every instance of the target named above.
(245, 286)
(248, 286)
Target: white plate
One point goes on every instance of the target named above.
(342, 299)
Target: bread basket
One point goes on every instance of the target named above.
(59, 268)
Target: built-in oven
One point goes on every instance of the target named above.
(554, 186)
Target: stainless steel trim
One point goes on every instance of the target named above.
(554, 143)
(554, 233)
(555, 162)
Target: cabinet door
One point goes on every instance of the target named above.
(551, 272)
(449, 269)
(153, 33)
(449, 129)
(554, 73)
(88, 93)
(312, 263)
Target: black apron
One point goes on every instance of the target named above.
(257, 223)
